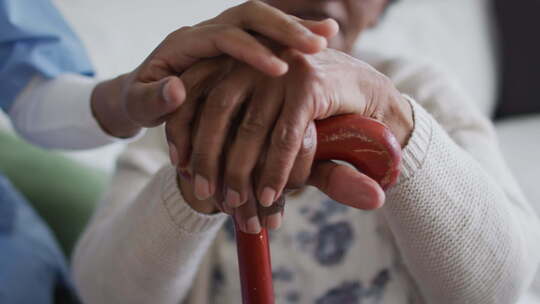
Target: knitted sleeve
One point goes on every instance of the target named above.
(144, 243)
(465, 231)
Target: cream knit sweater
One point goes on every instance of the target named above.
(456, 229)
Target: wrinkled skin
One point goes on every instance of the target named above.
(148, 94)
(254, 135)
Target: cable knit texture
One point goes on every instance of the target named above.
(455, 229)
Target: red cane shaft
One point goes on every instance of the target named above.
(255, 267)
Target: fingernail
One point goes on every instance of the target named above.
(274, 221)
(166, 93)
(202, 188)
(232, 198)
(268, 196)
(173, 154)
(253, 225)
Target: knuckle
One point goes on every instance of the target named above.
(308, 147)
(198, 72)
(287, 138)
(178, 34)
(250, 5)
(241, 11)
(228, 12)
(224, 30)
(277, 179)
(221, 100)
(290, 26)
(181, 30)
(221, 33)
(252, 126)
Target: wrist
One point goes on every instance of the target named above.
(398, 116)
(109, 111)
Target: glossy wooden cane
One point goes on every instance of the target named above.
(366, 144)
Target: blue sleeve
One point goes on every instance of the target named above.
(35, 40)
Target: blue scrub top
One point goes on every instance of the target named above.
(35, 40)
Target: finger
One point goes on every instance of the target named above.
(247, 217)
(275, 25)
(186, 189)
(304, 160)
(188, 45)
(178, 132)
(326, 28)
(285, 141)
(150, 103)
(347, 185)
(221, 189)
(179, 126)
(218, 111)
(251, 136)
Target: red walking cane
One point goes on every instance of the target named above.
(363, 142)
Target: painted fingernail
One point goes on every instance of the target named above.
(232, 198)
(253, 225)
(274, 221)
(202, 188)
(268, 196)
(173, 154)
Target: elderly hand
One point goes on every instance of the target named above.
(272, 139)
(144, 97)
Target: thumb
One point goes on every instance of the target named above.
(347, 185)
(150, 103)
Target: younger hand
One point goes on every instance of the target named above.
(144, 97)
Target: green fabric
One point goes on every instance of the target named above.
(61, 190)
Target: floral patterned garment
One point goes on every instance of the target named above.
(319, 256)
